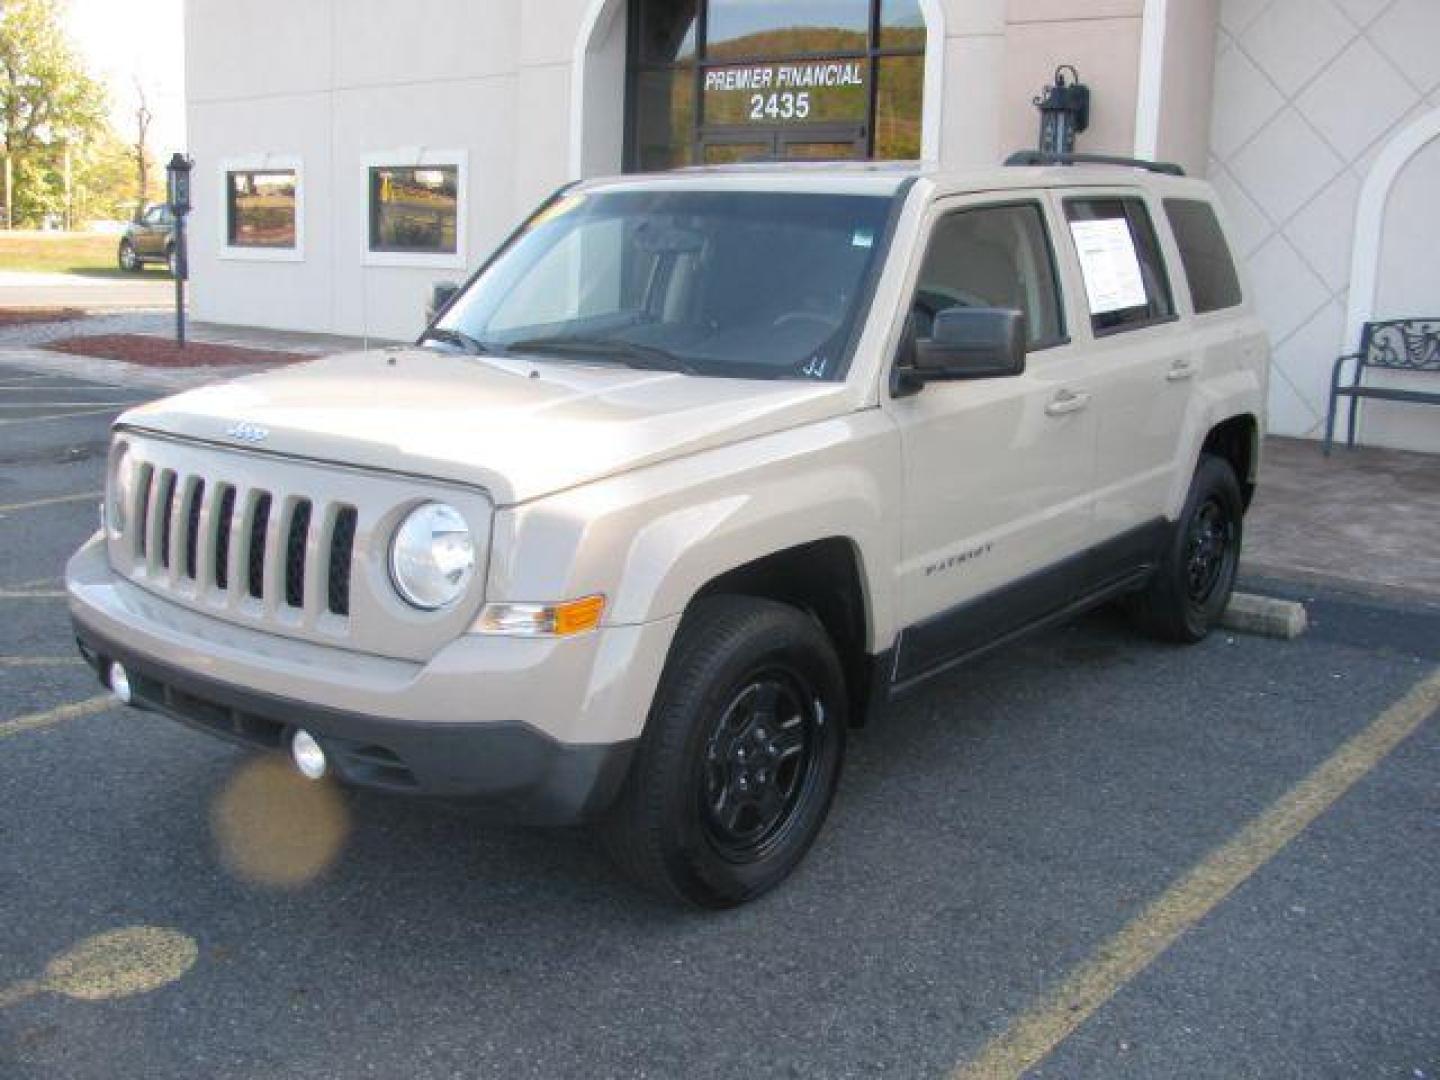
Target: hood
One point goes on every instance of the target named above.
(519, 429)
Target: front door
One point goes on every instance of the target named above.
(998, 472)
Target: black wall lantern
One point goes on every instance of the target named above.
(1064, 112)
(177, 191)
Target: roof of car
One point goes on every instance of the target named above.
(886, 178)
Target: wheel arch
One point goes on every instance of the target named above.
(825, 578)
(1237, 441)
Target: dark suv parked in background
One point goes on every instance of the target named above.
(149, 239)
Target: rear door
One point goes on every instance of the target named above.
(1141, 364)
(998, 472)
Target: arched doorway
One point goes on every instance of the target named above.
(684, 82)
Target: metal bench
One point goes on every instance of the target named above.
(1411, 345)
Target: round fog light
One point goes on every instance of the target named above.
(309, 758)
(119, 681)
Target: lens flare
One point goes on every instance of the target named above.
(275, 828)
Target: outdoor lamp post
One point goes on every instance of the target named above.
(1064, 112)
(177, 189)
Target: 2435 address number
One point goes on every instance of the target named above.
(781, 106)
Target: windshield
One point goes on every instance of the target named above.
(736, 284)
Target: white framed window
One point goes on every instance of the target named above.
(262, 213)
(415, 207)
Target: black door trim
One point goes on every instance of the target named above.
(1038, 600)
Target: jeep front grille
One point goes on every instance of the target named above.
(293, 547)
(176, 505)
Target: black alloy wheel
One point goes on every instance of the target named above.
(740, 757)
(760, 759)
(1190, 589)
(1208, 550)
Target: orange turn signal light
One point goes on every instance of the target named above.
(543, 620)
(577, 616)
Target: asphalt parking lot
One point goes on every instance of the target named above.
(1090, 856)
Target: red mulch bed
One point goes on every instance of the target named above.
(148, 351)
(26, 316)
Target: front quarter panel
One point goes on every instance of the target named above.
(651, 539)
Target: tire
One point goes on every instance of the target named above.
(687, 825)
(1191, 588)
(128, 260)
(172, 261)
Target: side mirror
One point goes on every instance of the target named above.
(440, 296)
(971, 343)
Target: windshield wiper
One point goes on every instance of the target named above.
(644, 357)
(473, 346)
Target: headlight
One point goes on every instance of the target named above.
(432, 557)
(121, 488)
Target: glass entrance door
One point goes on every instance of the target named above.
(718, 81)
(816, 142)
(820, 143)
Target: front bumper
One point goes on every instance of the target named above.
(487, 718)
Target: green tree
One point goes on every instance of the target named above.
(104, 180)
(47, 100)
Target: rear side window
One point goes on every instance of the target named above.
(1209, 266)
(1125, 278)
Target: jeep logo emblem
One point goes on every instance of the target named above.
(250, 433)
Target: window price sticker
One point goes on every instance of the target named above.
(1111, 267)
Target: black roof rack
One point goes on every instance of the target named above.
(1039, 157)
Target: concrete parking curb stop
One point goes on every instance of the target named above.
(1265, 616)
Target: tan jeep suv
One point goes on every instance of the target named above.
(698, 471)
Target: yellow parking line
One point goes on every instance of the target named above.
(56, 500)
(32, 594)
(39, 661)
(57, 416)
(1034, 1036)
(59, 715)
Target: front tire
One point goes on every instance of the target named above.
(740, 758)
(172, 261)
(1191, 589)
(126, 257)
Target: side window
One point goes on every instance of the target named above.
(1125, 278)
(992, 256)
(1209, 266)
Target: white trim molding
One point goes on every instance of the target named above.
(1152, 79)
(418, 157)
(598, 21)
(933, 101)
(1370, 221)
(594, 27)
(261, 163)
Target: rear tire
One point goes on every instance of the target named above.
(1191, 589)
(128, 260)
(740, 758)
(172, 261)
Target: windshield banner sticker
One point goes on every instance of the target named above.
(1112, 269)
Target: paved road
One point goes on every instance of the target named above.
(152, 288)
(992, 838)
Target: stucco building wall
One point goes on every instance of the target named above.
(1307, 95)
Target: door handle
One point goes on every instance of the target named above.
(1067, 401)
(1180, 371)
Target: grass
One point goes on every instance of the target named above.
(90, 254)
